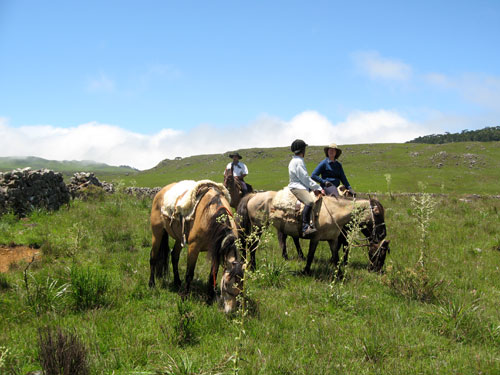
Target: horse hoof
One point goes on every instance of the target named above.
(306, 272)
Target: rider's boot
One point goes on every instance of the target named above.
(307, 227)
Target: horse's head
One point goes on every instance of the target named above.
(374, 229)
(232, 279)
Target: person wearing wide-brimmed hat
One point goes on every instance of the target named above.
(239, 170)
(329, 172)
(301, 184)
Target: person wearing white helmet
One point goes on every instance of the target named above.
(301, 184)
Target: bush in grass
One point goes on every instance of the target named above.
(43, 294)
(413, 283)
(61, 353)
(186, 326)
(89, 287)
(4, 282)
(271, 274)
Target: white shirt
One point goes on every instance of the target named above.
(239, 169)
(299, 178)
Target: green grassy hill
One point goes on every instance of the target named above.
(67, 167)
(466, 167)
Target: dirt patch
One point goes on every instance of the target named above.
(14, 254)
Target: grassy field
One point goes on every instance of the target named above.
(462, 168)
(433, 310)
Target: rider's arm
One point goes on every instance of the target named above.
(304, 178)
(318, 171)
(343, 178)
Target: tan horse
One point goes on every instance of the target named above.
(252, 216)
(334, 214)
(212, 230)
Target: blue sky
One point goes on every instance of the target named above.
(133, 83)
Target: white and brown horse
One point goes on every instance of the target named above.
(334, 213)
(212, 229)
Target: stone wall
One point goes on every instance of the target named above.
(82, 180)
(23, 190)
(142, 192)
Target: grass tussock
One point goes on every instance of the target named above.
(89, 287)
(62, 353)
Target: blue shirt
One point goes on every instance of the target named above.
(331, 171)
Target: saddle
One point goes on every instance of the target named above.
(285, 206)
(180, 202)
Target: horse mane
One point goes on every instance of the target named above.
(221, 236)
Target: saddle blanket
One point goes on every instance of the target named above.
(183, 198)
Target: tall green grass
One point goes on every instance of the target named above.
(294, 324)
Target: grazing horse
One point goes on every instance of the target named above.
(211, 229)
(334, 214)
(234, 187)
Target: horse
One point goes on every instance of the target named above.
(212, 229)
(233, 185)
(334, 214)
(252, 215)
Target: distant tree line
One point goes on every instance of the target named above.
(487, 134)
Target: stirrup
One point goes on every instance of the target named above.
(309, 230)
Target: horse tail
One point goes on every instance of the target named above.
(242, 216)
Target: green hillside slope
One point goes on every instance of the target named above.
(468, 167)
(67, 167)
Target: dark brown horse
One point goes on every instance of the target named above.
(212, 229)
(233, 185)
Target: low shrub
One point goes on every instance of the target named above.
(62, 353)
(412, 282)
(89, 287)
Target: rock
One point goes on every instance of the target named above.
(23, 190)
(81, 180)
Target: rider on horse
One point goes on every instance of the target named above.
(239, 171)
(329, 172)
(301, 184)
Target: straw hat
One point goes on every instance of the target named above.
(333, 145)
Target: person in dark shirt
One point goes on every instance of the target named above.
(329, 172)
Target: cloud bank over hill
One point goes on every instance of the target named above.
(117, 146)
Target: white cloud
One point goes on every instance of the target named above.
(483, 90)
(101, 83)
(116, 146)
(378, 67)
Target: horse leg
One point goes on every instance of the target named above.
(282, 242)
(296, 241)
(310, 256)
(158, 259)
(212, 281)
(175, 263)
(253, 248)
(334, 249)
(192, 257)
